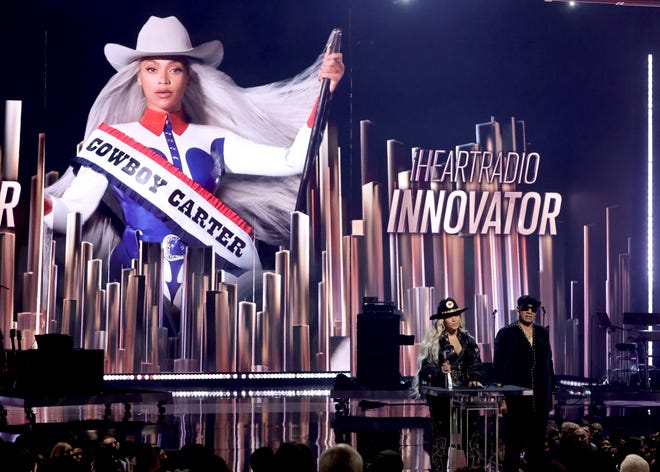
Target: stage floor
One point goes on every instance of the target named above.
(235, 422)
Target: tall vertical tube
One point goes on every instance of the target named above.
(273, 328)
(373, 233)
(586, 278)
(72, 255)
(72, 274)
(53, 321)
(283, 269)
(301, 363)
(220, 328)
(325, 323)
(150, 355)
(259, 353)
(395, 164)
(199, 349)
(134, 327)
(13, 112)
(300, 270)
(113, 308)
(35, 238)
(27, 324)
(232, 313)
(7, 264)
(90, 312)
(247, 313)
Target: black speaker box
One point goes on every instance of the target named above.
(378, 346)
(37, 372)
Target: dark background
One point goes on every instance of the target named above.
(423, 71)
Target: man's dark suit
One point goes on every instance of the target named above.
(516, 362)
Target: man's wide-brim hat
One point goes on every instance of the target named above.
(164, 37)
(446, 308)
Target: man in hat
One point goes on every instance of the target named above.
(523, 357)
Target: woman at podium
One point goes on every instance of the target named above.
(449, 357)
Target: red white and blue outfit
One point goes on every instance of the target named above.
(200, 152)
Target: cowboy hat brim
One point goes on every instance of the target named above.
(119, 56)
(448, 313)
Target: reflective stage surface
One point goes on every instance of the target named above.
(236, 423)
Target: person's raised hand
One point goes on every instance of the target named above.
(332, 68)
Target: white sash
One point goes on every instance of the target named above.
(188, 208)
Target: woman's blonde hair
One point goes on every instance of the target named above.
(429, 349)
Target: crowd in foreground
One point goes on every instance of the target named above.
(584, 446)
(570, 447)
(111, 455)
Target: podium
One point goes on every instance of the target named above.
(474, 428)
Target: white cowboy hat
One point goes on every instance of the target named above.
(163, 37)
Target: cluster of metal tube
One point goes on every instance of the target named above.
(306, 316)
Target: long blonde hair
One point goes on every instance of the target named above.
(429, 349)
(268, 114)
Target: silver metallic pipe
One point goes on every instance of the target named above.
(346, 286)
(53, 320)
(272, 355)
(7, 268)
(165, 360)
(456, 269)
(101, 336)
(220, 327)
(247, 312)
(300, 271)
(69, 312)
(232, 317)
(199, 349)
(13, 111)
(283, 268)
(547, 294)
(259, 341)
(113, 316)
(395, 163)
(197, 261)
(300, 233)
(134, 319)
(439, 269)
(91, 313)
(334, 231)
(151, 268)
(586, 300)
(325, 322)
(420, 306)
(150, 356)
(405, 249)
(301, 363)
(368, 171)
(27, 292)
(27, 323)
(373, 232)
(72, 255)
(357, 289)
(35, 237)
(126, 275)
